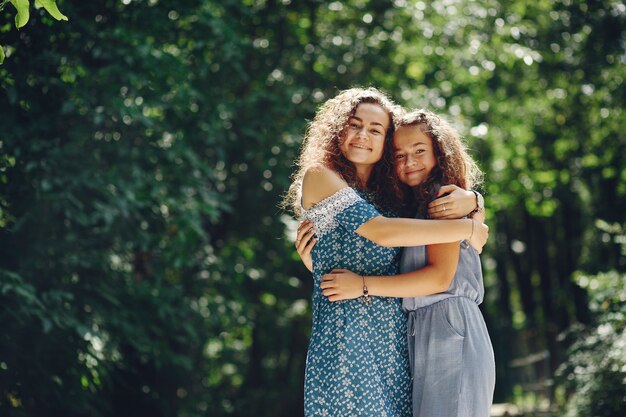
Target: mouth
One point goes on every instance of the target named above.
(357, 146)
(413, 172)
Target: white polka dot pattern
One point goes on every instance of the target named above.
(357, 363)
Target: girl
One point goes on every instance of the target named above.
(451, 355)
(357, 363)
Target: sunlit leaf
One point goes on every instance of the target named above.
(22, 6)
(51, 7)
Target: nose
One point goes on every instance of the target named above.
(411, 159)
(361, 133)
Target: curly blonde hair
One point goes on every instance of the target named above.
(454, 164)
(322, 141)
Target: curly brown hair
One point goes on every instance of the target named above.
(322, 142)
(454, 164)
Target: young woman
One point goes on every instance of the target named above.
(451, 355)
(357, 363)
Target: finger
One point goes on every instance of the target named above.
(436, 208)
(327, 284)
(301, 232)
(448, 208)
(334, 298)
(298, 238)
(328, 277)
(439, 213)
(446, 189)
(338, 271)
(304, 240)
(435, 203)
(309, 246)
(305, 231)
(304, 235)
(304, 224)
(439, 202)
(329, 291)
(302, 246)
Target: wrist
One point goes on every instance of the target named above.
(480, 202)
(365, 298)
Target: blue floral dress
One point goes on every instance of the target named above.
(357, 363)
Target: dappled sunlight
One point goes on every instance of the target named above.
(145, 265)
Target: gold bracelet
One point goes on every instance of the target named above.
(471, 234)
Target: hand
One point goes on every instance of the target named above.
(342, 284)
(456, 204)
(479, 236)
(305, 242)
(480, 216)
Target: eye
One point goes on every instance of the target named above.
(399, 156)
(420, 151)
(354, 125)
(376, 132)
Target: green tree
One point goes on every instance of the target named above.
(144, 266)
(22, 14)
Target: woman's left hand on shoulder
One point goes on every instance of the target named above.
(342, 284)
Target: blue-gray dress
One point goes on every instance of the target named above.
(357, 363)
(451, 355)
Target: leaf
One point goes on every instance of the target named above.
(1, 55)
(22, 6)
(51, 7)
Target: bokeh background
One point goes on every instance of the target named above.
(145, 267)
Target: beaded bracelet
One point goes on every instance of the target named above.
(365, 298)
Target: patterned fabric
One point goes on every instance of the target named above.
(324, 215)
(357, 363)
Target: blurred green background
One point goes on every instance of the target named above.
(145, 269)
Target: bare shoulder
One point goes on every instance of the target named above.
(320, 182)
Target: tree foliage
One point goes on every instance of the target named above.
(144, 266)
(22, 14)
(593, 378)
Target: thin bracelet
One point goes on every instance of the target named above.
(471, 234)
(365, 298)
(478, 208)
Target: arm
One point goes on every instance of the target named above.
(391, 232)
(453, 202)
(321, 182)
(433, 278)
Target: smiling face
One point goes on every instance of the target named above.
(364, 136)
(414, 155)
